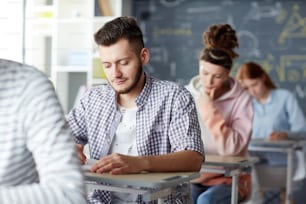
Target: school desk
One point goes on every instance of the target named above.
(152, 186)
(284, 146)
(229, 166)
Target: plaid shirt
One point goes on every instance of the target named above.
(166, 121)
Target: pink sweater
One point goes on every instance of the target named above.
(226, 123)
(226, 126)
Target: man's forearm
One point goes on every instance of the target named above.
(179, 161)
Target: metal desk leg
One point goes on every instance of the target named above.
(234, 199)
(289, 177)
(189, 193)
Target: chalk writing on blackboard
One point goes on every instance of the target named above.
(270, 32)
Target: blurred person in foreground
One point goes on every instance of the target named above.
(39, 163)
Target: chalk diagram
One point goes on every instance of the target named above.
(293, 67)
(171, 3)
(295, 27)
(247, 38)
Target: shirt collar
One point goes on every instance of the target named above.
(268, 101)
(145, 93)
(142, 97)
(113, 96)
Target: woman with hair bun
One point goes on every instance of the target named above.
(225, 113)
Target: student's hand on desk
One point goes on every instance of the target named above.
(277, 136)
(80, 153)
(118, 164)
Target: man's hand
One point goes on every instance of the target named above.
(118, 164)
(80, 153)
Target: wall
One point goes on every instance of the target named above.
(11, 34)
(271, 32)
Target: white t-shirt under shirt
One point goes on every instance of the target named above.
(125, 137)
(125, 143)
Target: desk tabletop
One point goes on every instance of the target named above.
(282, 144)
(147, 180)
(227, 164)
(229, 160)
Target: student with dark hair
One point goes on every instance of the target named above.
(135, 122)
(225, 113)
(277, 116)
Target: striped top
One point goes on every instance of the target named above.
(38, 163)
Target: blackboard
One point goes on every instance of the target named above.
(271, 33)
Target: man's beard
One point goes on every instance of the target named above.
(135, 83)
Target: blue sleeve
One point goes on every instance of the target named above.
(295, 115)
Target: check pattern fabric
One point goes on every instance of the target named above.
(166, 121)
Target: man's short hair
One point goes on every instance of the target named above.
(120, 28)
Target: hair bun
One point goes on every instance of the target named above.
(222, 37)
